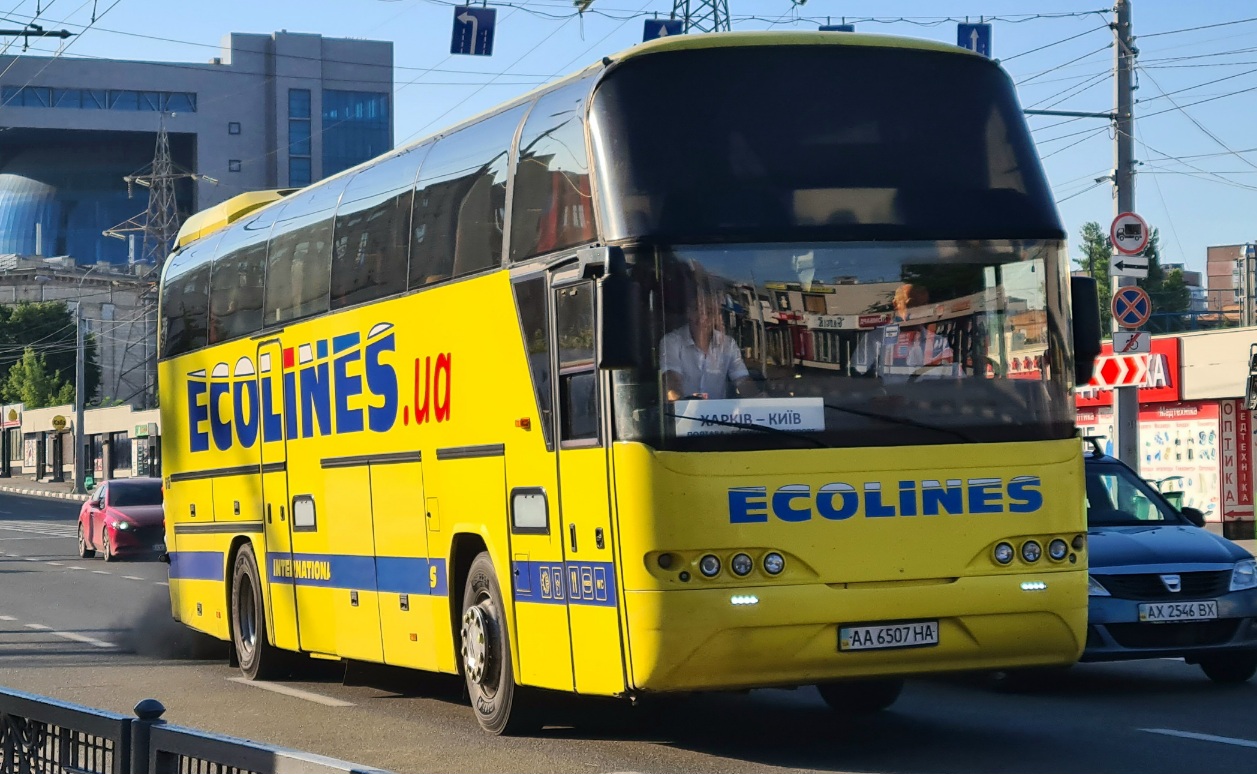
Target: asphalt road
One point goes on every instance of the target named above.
(99, 634)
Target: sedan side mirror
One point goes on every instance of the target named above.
(1194, 515)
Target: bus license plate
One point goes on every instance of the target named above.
(918, 634)
(1157, 612)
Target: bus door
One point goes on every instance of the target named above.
(542, 637)
(584, 496)
(276, 519)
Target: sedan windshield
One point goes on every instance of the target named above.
(123, 495)
(1116, 497)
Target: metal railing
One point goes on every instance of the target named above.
(39, 735)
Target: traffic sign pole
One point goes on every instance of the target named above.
(1125, 399)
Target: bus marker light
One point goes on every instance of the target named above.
(740, 600)
(1033, 586)
(524, 423)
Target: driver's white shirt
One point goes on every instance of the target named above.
(700, 372)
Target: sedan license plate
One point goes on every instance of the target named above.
(917, 634)
(159, 546)
(1158, 612)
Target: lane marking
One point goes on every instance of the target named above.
(40, 627)
(296, 693)
(161, 583)
(7, 618)
(101, 572)
(83, 638)
(76, 567)
(1201, 737)
(29, 559)
(55, 564)
(133, 577)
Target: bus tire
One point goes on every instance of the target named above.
(258, 659)
(485, 655)
(860, 697)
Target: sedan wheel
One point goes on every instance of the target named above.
(1231, 668)
(84, 551)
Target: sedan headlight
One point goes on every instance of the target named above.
(120, 524)
(1094, 589)
(1244, 576)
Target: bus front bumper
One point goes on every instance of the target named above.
(733, 638)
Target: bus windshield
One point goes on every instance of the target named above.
(850, 344)
(815, 142)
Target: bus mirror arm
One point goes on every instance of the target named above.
(1085, 300)
(619, 313)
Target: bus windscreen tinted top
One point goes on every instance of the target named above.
(824, 142)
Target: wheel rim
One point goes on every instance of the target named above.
(104, 545)
(475, 648)
(246, 619)
(82, 542)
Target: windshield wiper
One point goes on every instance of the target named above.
(751, 426)
(891, 418)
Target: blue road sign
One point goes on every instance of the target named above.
(473, 30)
(837, 28)
(975, 37)
(1131, 307)
(661, 28)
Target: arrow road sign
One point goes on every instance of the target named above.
(661, 28)
(473, 30)
(975, 37)
(1129, 266)
(1132, 342)
(1131, 307)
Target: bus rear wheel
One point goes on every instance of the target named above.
(259, 660)
(860, 697)
(485, 655)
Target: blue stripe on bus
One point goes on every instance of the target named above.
(197, 565)
(558, 583)
(388, 574)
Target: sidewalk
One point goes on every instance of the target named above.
(26, 486)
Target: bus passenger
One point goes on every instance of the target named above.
(698, 359)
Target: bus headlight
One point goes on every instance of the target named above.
(1057, 550)
(1031, 551)
(709, 566)
(1004, 553)
(741, 565)
(774, 563)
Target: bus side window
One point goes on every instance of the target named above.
(372, 225)
(460, 199)
(534, 324)
(185, 299)
(552, 207)
(299, 257)
(237, 280)
(578, 376)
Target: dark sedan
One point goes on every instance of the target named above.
(123, 518)
(1161, 586)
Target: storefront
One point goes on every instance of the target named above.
(1194, 436)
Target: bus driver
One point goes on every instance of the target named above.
(698, 359)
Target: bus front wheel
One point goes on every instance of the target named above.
(859, 697)
(259, 660)
(485, 654)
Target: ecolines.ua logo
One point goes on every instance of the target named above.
(839, 501)
(348, 390)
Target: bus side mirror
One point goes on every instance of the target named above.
(620, 317)
(1084, 298)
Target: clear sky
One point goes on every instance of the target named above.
(1196, 118)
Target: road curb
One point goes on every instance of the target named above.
(43, 493)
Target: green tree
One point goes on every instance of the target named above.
(1167, 289)
(49, 329)
(28, 381)
(1097, 250)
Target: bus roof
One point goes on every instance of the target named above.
(209, 220)
(773, 38)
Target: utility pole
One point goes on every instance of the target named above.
(80, 368)
(1125, 399)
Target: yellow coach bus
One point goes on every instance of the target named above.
(692, 371)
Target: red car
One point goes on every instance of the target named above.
(124, 517)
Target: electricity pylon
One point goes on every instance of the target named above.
(702, 15)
